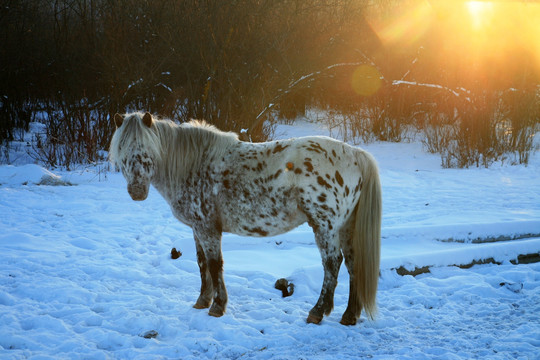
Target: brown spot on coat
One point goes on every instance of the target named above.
(339, 179)
(323, 182)
(316, 147)
(308, 165)
(279, 148)
(259, 231)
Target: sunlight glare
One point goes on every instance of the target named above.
(480, 11)
(407, 27)
(496, 42)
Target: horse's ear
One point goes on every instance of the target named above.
(147, 119)
(118, 120)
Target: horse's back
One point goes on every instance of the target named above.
(270, 188)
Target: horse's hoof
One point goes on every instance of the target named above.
(311, 319)
(201, 306)
(202, 303)
(216, 313)
(347, 321)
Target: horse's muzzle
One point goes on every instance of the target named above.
(138, 192)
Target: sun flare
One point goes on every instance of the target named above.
(480, 12)
(490, 40)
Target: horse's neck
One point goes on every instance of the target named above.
(183, 156)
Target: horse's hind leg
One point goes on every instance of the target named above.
(354, 308)
(331, 259)
(207, 290)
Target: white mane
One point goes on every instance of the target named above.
(177, 149)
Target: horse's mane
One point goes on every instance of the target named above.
(179, 149)
(131, 135)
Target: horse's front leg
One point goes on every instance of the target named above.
(207, 289)
(210, 244)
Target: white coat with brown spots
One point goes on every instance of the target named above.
(215, 183)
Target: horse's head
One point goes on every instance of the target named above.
(134, 151)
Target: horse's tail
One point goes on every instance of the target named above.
(367, 235)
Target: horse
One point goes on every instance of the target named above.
(215, 183)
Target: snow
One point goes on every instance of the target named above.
(86, 273)
(414, 83)
(165, 87)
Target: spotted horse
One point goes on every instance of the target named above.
(215, 183)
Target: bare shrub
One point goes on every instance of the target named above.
(74, 135)
(240, 65)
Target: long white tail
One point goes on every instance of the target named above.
(367, 235)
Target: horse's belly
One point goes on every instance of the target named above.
(257, 219)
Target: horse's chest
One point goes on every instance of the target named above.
(194, 202)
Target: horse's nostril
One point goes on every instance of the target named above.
(138, 197)
(137, 192)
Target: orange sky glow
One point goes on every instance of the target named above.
(483, 36)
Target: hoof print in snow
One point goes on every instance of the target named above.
(515, 287)
(175, 254)
(150, 334)
(286, 288)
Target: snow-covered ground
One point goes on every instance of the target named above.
(85, 272)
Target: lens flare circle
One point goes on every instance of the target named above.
(366, 80)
